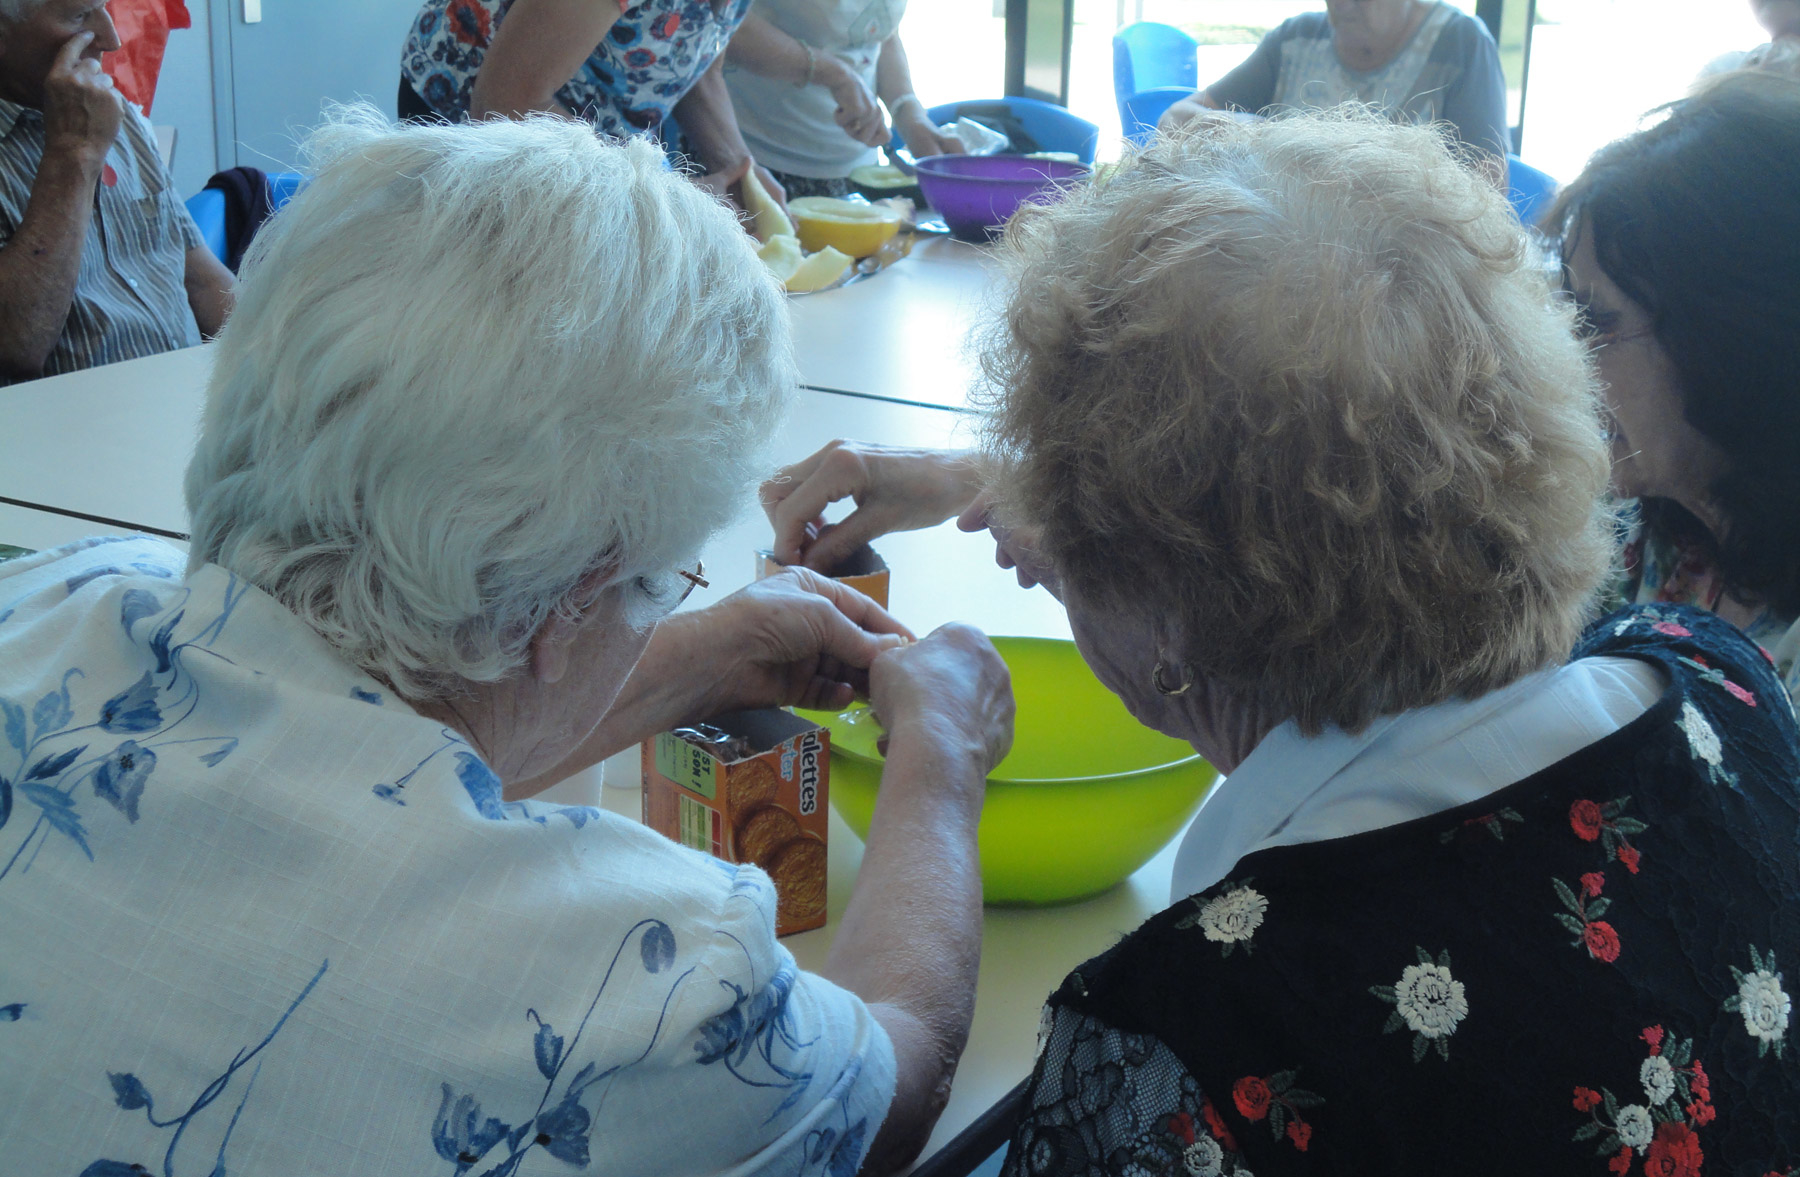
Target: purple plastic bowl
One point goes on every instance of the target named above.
(975, 194)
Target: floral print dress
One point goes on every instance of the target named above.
(649, 59)
(1584, 972)
(257, 916)
(1659, 571)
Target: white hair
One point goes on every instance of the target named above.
(470, 365)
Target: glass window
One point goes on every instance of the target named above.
(1598, 65)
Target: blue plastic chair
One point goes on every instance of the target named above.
(1139, 113)
(1148, 56)
(283, 187)
(1051, 127)
(1530, 190)
(207, 207)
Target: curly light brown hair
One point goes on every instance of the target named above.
(1299, 388)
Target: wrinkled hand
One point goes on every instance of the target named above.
(728, 185)
(1014, 547)
(950, 685)
(923, 139)
(857, 111)
(82, 109)
(895, 489)
(1194, 112)
(792, 640)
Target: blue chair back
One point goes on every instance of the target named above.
(207, 207)
(1530, 190)
(1147, 56)
(1139, 113)
(1048, 127)
(283, 187)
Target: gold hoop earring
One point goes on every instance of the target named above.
(1163, 688)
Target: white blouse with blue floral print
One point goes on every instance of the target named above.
(257, 916)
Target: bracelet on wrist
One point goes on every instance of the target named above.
(905, 100)
(812, 64)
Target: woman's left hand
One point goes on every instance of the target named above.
(796, 639)
(728, 184)
(922, 139)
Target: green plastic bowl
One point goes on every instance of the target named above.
(1087, 795)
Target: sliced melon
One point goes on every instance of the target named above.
(878, 181)
(819, 269)
(782, 255)
(880, 176)
(850, 226)
(767, 221)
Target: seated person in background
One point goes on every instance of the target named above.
(1317, 467)
(99, 259)
(280, 801)
(1418, 61)
(1779, 54)
(1682, 251)
(804, 77)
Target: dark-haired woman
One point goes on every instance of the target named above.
(1682, 243)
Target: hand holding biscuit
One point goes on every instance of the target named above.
(950, 685)
(794, 639)
(895, 489)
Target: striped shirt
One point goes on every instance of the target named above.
(130, 298)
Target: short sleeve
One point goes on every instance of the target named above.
(185, 226)
(1476, 101)
(768, 1069)
(1251, 86)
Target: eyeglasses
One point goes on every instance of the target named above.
(695, 579)
(1592, 328)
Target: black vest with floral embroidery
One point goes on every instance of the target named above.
(1581, 973)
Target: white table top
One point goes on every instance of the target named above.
(902, 334)
(112, 443)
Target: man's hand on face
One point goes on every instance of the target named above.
(82, 109)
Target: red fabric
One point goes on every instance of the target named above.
(143, 35)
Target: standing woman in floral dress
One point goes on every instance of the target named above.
(653, 67)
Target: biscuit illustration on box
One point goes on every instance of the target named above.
(798, 869)
(749, 787)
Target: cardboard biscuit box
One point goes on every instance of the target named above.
(863, 570)
(749, 786)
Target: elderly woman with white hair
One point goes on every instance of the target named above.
(273, 897)
(1316, 466)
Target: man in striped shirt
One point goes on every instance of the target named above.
(99, 259)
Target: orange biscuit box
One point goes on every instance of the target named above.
(749, 786)
(863, 570)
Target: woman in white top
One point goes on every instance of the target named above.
(1418, 61)
(273, 898)
(809, 78)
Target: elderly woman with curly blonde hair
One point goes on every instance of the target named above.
(273, 887)
(1316, 466)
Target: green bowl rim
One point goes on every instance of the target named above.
(837, 748)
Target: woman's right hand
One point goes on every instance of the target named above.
(895, 489)
(951, 687)
(1199, 109)
(857, 111)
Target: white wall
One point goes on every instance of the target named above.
(184, 100)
